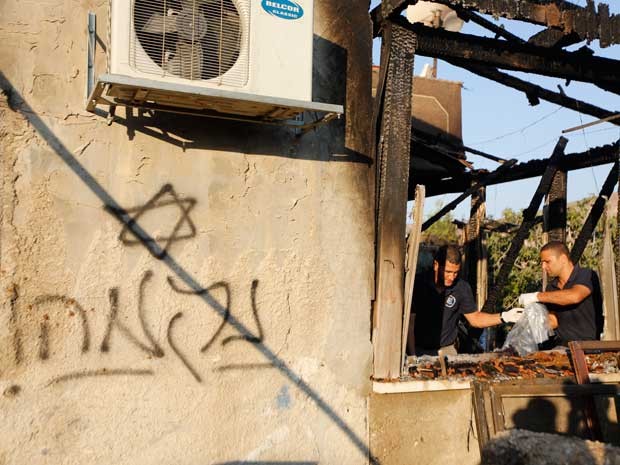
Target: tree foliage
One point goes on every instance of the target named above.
(526, 275)
(443, 231)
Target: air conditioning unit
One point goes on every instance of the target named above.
(231, 56)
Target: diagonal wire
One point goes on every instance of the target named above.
(521, 130)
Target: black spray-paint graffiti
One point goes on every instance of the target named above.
(152, 348)
(42, 303)
(164, 198)
(253, 338)
(45, 303)
(18, 104)
(219, 284)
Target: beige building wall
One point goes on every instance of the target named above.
(248, 341)
(432, 427)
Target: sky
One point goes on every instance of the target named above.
(499, 120)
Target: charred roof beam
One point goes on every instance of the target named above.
(535, 92)
(579, 66)
(573, 161)
(588, 23)
(499, 31)
(387, 10)
(553, 38)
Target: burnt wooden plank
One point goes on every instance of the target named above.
(573, 161)
(393, 151)
(554, 215)
(554, 389)
(595, 214)
(479, 388)
(529, 215)
(565, 16)
(578, 65)
(477, 239)
(376, 126)
(468, 15)
(578, 358)
(551, 37)
(477, 185)
(535, 92)
(384, 11)
(599, 346)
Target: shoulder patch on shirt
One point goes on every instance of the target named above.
(450, 301)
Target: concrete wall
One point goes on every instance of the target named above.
(433, 428)
(106, 355)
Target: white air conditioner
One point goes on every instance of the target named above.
(232, 56)
(227, 44)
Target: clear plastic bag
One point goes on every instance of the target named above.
(532, 329)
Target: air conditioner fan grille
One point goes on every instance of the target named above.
(192, 39)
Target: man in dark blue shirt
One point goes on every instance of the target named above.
(572, 296)
(439, 300)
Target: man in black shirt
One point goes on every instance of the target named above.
(572, 296)
(440, 298)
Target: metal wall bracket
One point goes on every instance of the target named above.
(90, 53)
(116, 90)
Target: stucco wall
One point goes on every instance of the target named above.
(433, 428)
(106, 356)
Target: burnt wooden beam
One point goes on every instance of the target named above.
(511, 9)
(391, 8)
(444, 151)
(586, 23)
(385, 11)
(531, 169)
(494, 226)
(598, 207)
(499, 31)
(475, 252)
(473, 188)
(393, 146)
(535, 92)
(554, 213)
(529, 215)
(551, 37)
(448, 147)
(577, 65)
(475, 267)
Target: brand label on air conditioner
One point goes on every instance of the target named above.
(286, 9)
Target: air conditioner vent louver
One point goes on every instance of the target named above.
(198, 40)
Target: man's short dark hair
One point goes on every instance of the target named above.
(448, 253)
(557, 247)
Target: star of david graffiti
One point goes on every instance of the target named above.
(165, 197)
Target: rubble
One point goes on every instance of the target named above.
(500, 366)
(520, 447)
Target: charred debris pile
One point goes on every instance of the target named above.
(501, 366)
